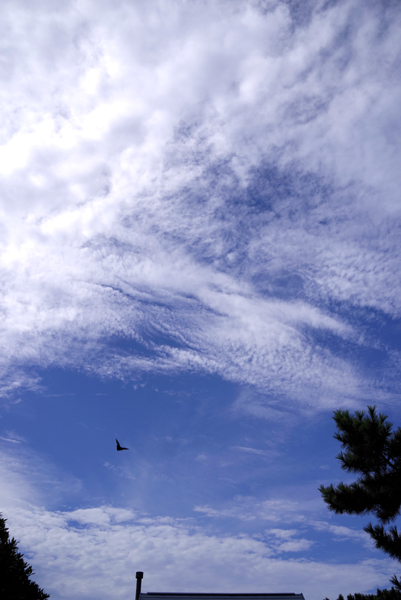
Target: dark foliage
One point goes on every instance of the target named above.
(15, 583)
(371, 449)
(392, 594)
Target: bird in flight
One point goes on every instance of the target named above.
(120, 447)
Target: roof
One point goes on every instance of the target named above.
(183, 596)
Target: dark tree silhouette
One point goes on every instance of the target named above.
(120, 447)
(15, 583)
(373, 450)
(392, 594)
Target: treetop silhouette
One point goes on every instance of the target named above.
(15, 573)
(371, 449)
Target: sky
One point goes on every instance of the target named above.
(200, 256)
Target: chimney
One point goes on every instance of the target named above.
(139, 577)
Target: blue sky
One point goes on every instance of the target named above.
(200, 256)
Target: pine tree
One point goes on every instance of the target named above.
(373, 450)
(15, 583)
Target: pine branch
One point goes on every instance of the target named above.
(350, 499)
(396, 582)
(389, 541)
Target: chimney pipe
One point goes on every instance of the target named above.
(139, 577)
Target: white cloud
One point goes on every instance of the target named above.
(341, 532)
(248, 508)
(285, 543)
(284, 511)
(134, 136)
(13, 437)
(121, 471)
(283, 533)
(294, 546)
(98, 558)
(24, 472)
(265, 453)
(93, 552)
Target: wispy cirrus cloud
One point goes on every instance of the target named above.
(208, 180)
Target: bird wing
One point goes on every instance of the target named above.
(118, 445)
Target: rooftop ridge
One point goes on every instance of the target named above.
(217, 594)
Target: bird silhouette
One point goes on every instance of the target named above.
(120, 447)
